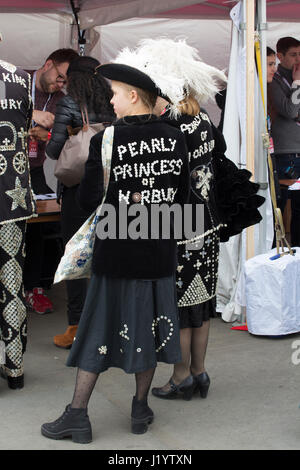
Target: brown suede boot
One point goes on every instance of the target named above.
(66, 340)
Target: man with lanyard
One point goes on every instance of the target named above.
(47, 84)
(285, 98)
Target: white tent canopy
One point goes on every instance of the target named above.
(40, 26)
(100, 12)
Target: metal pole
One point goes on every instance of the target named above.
(262, 151)
(250, 71)
(262, 26)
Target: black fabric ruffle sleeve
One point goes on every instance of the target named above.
(236, 196)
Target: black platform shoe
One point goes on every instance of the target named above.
(184, 389)
(141, 416)
(74, 423)
(202, 382)
(13, 383)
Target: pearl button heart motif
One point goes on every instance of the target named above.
(170, 333)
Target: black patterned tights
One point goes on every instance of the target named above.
(86, 381)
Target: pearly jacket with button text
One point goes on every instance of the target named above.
(149, 167)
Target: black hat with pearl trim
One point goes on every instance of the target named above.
(129, 75)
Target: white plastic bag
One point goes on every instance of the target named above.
(272, 293)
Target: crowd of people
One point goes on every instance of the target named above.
(148, 300)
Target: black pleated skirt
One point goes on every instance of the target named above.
(130, 324)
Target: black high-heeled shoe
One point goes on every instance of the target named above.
(141, 416)
(202, 383)
(184, 389)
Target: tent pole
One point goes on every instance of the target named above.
(263, 26)
(261, 151)
(250, 90)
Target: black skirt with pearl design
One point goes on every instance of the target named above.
(130, 324)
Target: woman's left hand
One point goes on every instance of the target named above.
(38, 133)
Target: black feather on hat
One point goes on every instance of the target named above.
(129, 75)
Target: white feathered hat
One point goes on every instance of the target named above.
(176, 68)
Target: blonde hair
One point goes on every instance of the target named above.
(147, 98)
(189, 106)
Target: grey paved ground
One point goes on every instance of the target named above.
(253, 402)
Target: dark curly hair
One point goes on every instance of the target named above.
(87, 87)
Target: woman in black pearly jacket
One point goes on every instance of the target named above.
(187, 82)
(85, 90)
(130, 317)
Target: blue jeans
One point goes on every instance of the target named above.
(283, 161)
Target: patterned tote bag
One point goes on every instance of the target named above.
(77, 260)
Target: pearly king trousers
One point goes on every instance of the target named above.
(13, 320)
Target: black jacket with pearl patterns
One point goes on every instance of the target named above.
(197, 269)
(149, 166)
(17, 202)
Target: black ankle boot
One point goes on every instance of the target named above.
(13, 383)
(141, 416)
(184, 389)
(74, 422)
(202, 382)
